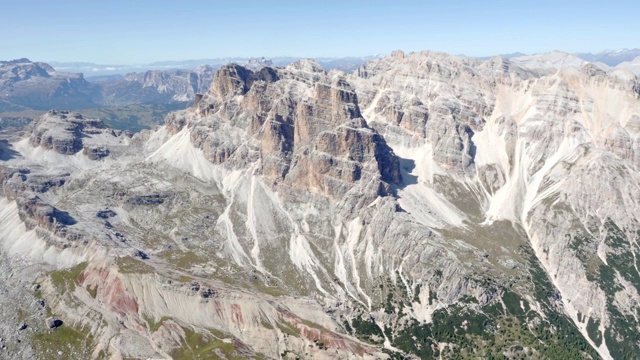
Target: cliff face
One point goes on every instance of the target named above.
(425, 205)
(157, 87)
(304, 125)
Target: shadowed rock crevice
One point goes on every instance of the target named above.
(6, 152)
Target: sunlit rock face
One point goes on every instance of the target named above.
(304, 126)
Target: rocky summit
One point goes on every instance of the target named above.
(423, 206)
(157, 87)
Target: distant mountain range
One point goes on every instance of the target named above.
(91, 70)
(37, 86)
(97, 72)
(608, 57)
(157, 86)
(27, 85)
(611, 57)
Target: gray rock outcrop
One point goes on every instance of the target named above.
(67, 133)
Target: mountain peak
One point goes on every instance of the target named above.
(16, 61)
(257, 63)
(307, 65)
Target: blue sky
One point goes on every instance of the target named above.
(142, 31)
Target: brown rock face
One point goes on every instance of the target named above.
(303, 124)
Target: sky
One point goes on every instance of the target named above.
(143, 31)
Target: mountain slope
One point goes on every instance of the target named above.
(424, 206)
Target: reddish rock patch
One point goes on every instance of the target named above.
(111, 291)
(219, 310)
(329, 338)
(118, 300)
(236, 314)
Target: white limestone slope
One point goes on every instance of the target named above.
(17, 241)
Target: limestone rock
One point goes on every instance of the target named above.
(66, 133)
(306, 125)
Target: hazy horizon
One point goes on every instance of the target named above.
(165, 62)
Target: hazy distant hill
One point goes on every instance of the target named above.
(90, 70)
(35, 85)
(608, 57)
(133, 102)
(28, 85)
(96, 79)
(611, 57)
(157, 87)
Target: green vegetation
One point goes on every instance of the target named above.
(155, 325)
(67, 279)
(594, 331)
(93, 291)
(388, 307)
(367, 330)
(200, 346)
(507, 326)
(185, 279)
(622, 339)
(559, 337)
(130, 265)
(134, 117)
(416, 295)
(183, 259)
(473, 334)
(271, 290)
(265, 324)
(584, 247)
(514, 303)
(288, 328)
(64, 343)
